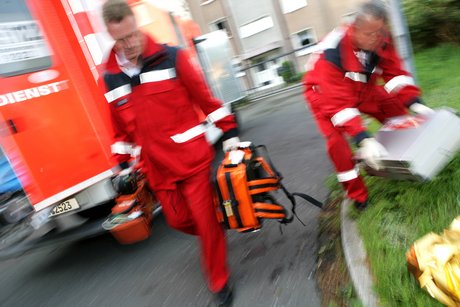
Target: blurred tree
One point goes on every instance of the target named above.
(288, 73)
(433, 21)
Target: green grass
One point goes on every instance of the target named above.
(439, 76)
(403, 211)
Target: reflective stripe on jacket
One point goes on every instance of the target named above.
(342, 82)
(157, 110)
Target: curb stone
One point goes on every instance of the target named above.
(356, 258)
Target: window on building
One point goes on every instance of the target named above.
(304, 38)
(256, 26)
(221, 24)
(304, 41)
(261, 66)
(289, 6)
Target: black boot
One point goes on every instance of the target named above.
(361, 206)
(224, 297)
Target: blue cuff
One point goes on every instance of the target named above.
(124, 165)
(361, 136)
(230, 134)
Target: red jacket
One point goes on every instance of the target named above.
(337, 81)
(157, 110)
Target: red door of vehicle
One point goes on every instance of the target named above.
(49, 103)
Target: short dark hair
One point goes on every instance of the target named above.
(374, 8)
(115, 11)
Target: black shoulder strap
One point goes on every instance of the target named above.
(310, 199)
(290, 196)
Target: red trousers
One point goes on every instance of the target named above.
(379, 105)
(190, 209)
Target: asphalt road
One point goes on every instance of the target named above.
(269, 268)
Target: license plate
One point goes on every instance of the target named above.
(66, 206)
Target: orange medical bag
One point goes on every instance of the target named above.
(132, 215)
(244, 181)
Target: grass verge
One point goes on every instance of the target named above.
(402, 211)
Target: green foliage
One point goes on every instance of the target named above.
(287, 71)
(433, 21)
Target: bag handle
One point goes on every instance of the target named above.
(268, 160)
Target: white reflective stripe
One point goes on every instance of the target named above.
(347, 176)
(76, 6)
(118, 92)
(356, 76)
(189, 134)
(122, 148)
(92, 43)
(398, 81)
(157, 75)
(344, 115)
(245, 144)
(218, 115)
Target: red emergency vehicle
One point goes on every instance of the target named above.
(55, 131)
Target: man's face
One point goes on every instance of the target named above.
(369, 33)
(128, 39)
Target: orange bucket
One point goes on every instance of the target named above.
(132, 231)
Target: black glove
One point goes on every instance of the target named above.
(125, 182)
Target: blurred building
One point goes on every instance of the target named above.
(266, 33)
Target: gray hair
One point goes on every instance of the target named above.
(374, 8)
(115, 11)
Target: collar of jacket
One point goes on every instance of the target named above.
(349, 61)
(151, 48)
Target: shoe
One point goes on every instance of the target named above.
(361, 206)
(224, 297)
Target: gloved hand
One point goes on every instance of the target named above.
(125, 182)
(230, 144)
(371, 152)
(421, 109)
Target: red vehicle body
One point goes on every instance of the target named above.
(54, 124)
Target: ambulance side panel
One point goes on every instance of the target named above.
(50, 105)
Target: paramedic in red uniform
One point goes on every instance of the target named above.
(356, 71)
(153, 91)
